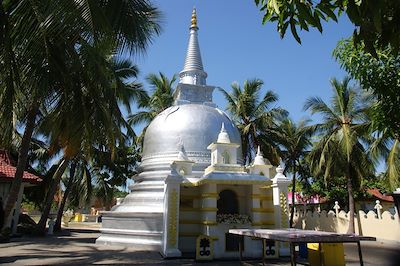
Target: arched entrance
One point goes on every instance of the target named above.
(227, 202)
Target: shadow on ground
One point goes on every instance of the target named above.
(77, 247)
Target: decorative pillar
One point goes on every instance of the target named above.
(281, 207)
(209, 209)
(171, 216)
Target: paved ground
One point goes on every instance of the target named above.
(75, 246)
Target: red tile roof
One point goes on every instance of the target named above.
(8, 169)
(376, 193)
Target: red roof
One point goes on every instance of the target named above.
(376, 193)
(8, 169)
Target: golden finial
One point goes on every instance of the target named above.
(194, 18)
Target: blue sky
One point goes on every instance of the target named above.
(235, 46)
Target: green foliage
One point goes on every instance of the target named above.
(343, 130)
(334, 190)
(255, 118)
(376, 22)
(54, 58)
(162, 97)
(35, 194)
(294, 140)
(380, 182)
(99, 175)
(28, 206)
(380, 75)
(119, 193)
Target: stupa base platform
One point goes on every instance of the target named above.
(142, 231)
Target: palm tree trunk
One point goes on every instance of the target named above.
(57, 225)
(293, 191)
(41, 226)
(351, 202)
(22, 160)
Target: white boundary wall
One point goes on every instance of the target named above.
(367, 224)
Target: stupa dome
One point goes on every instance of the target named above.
(195, 125)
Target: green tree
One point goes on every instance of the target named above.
(162, 97)
(37, 57)
(68, 186)
(89, 116)
(386, 148)
(255, 118)
(340, 150)
(294, 143)
(379, 75)
(376, 22)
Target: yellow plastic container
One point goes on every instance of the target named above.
(332, 254)
(78, 217)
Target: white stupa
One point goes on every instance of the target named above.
(191, 180)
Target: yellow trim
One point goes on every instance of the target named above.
(188, 209)
(263, 210)
(172, 221)
(188, 234)
(224, 168)
(189, 222)
(209, 195)
(184, 196)
(209, 223)
(204, 257)
(284, 210)
(187, 184)
(214, 238)
(262, 223)
(266, 187)
(261, 197)
(198, 222)
(229, 182)
(210, 209)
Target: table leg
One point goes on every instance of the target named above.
(240, 248)
(263, 251)
(321, 259)
(360, 253)
(292, 254)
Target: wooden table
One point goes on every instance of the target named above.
(296, 236)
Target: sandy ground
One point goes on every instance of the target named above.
(76, 246)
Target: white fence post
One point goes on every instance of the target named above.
(378, 207)
(336, 208)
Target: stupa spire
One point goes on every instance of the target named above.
(194, 18)
(193, 72)
(259, 159)
(223, 136)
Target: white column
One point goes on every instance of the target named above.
(281, 207)
(171, 216)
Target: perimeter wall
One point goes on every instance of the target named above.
(386, 226)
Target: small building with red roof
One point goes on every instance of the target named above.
(7, 175)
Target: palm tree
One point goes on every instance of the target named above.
(388, 148)
(99, 170)
(294, 142)
(37, 57)
(88, 117)
(254, 117)
(340, 150)
(162, 97)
